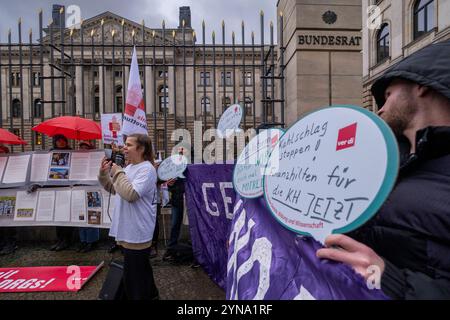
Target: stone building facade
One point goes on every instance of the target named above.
(88, 79)
(323, 57)
(394, 29)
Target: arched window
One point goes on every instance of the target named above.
(163, 96)
(423, 17)
(206, 104)
(383, 43)
(269, 106)
(38, 110)
(16, 108)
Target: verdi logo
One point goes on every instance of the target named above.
(346, 137)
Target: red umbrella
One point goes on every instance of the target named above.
(9, 138)
(75, 128)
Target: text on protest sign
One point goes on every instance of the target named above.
(250, 166)
(46, 279)
(173, 167)
(324, 184)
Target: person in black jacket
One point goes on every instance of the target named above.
(176, 189)
(405, 248)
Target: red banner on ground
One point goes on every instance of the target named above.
(48, 279)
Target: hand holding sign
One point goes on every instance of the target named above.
(323, 184)
(173, 167)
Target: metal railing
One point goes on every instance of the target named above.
(72, 64)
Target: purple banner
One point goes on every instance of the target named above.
(267, 261)
(210, 197)
(263, 261)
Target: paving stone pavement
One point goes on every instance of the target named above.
(175, 282)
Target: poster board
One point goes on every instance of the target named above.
(77, 206)
(54, 168)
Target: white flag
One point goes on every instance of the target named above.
(134, 119)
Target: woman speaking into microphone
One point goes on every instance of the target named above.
(134, 216)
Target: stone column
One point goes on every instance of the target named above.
(4, 89)
(171, 75)
(329, 71)
(47, 91)
(109, 96)
(149, 94)
(79, 93)
(26, 93)
(102, 105)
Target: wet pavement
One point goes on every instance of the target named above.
(175, 282)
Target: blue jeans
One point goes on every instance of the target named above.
(177, 219)
(89, 235)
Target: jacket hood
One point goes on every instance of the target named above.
(429, 67)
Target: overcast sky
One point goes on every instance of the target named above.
(152, 11)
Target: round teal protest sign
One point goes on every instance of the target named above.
(250, 166)
(229, 121)
(331, 171)
(173, 167)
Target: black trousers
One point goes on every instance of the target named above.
(138, 281)
(156, 232)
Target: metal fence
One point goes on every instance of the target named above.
(65, 66)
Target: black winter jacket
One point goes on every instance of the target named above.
(177, 193)
(412, 229)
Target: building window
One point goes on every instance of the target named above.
(206, 104)
(37, 138)
(247, 78)
(160, 140)
(269, 107)
(163, 74)
(95, 74)
(383, 43)
(118, 74)
(15, 79)
(38, 110)
(16, 132)
(205, 78)
(226, 102)
(225, 78)
(248, 106)
(119, 99)
(16, 108)
(423, 17)
(163, 98)
(36, 79)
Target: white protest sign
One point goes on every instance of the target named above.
(229, 121)
(250, 166)
(173, 167)
(112, 129)
(336, 168)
